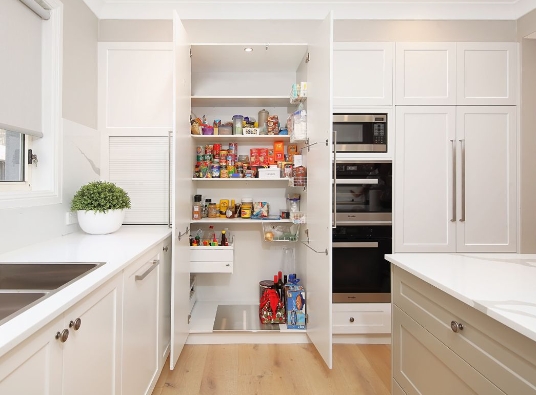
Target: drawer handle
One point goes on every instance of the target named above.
(76, 324)
(228, 264)
(456, 326)
(63, 335)
(151, 268)
(352, 319)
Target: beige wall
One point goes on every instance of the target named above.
(135, 30)
(526, 25)
(368, 30)
(80, 33)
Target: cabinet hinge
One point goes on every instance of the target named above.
(190, 51)
(189, 318)
(308, 58)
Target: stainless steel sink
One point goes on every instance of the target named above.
(22, 285)
(46, 276)
(12, 302)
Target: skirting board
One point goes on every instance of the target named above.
(362, 339)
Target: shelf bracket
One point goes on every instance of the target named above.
(306, 244)
(183, 234)
(307, 145)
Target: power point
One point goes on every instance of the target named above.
(71, 218)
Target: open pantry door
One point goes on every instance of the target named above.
(182, 191)
(319, 204)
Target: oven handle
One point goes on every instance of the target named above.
(334, 196)
(356, 244)
(348, 181)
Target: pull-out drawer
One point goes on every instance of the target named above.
(211, 259)
(422, 365)
(501, 354)
(350, 318)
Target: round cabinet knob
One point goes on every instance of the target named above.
(63, 335)
(456, 326)
(165, 248)
(76, 324)
(352, 319)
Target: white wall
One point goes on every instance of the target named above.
(81, 142)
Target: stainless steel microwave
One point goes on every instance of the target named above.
(360, 132)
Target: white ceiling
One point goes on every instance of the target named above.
(313, 9)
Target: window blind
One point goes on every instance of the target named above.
(20, 69)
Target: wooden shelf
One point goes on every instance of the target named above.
(240, 101)
(236, 221)
(241, 137)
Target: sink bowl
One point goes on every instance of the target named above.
(22, 285)
(41, 276)
(12, 302)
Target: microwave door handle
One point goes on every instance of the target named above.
(356, 244)
(333, 196)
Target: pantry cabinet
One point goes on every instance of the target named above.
(455, 179)
(425, 74)
(487, 73)
(227, 87)
(362, 74)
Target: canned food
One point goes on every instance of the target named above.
(231, 169)
(230, 160)
(223, 154)
(217, 149)
(200, 157)
(233, 148)
(200, 150)
(224, 173)
(208, 157)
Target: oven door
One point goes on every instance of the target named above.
(360, 272)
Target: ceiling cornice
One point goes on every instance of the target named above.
(395, 10)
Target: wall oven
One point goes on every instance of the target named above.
(360, 272)
(362, 193)
(360, 133)
(363, 233)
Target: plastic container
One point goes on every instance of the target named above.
(237, 124)
(247, 208)
(263, 118)
(208, 130)
(225, 130)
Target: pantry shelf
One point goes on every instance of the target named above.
(237, 220)
(241, 179)
(241, 137)
(240, 101)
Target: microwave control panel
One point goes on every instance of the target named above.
(379, 136)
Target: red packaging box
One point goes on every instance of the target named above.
(279, 146)
(279, 156)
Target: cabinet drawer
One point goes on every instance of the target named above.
(425, 366)
(211, 267)
(361, 318)
(498, 352)
(211, 254)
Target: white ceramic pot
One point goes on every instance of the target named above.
(97, 223)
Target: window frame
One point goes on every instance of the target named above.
(45, 182)
(26, 185)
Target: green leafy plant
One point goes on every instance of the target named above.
(100, 196)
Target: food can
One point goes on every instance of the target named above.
(215, 171)
(224, 173)
(200, 157)
(231, 169)
(223, 163)
(230, 160)
(233, 148)
(223, 154)
(208, 157)
(217, 149)
(200, 150)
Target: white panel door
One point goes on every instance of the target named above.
(424, 215)
(92, 354)
(362, 74)
(35, 366)
(140, 326)
(487, 179)
(319, 204)
(135, 88)
(182, 191)
(487, 73)
(425, 74)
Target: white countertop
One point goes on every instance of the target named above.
(117, 249)
(502, 286)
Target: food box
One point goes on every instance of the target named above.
(279, 146)
(250, 131)
(269, 174)
(295, 307)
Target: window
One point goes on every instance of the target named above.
(30, 104)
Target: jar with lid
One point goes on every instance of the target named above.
(263, 118)
(237, 124)
(197, 208)
(213, 211)
(247, 207)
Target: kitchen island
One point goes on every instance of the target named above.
(464, 323)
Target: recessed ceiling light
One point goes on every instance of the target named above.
(248, 49)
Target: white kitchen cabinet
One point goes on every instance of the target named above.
(396, 390)
(455, 184)
(362, 74)
(251, 86)
(34, 366)
(140, 325)
(487, 73)
(361, 318)
(92, 353)
(425, 74)
(462, 350)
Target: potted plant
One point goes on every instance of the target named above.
(100, 206)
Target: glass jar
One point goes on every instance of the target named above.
(213, 211)
(237, 124)
(247, 208)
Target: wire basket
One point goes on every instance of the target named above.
(282, 231)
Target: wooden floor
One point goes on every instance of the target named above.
(258, 369)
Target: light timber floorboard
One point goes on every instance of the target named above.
(267, 369)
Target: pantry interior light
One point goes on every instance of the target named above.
(248, 49)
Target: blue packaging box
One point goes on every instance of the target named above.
(296, 308)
